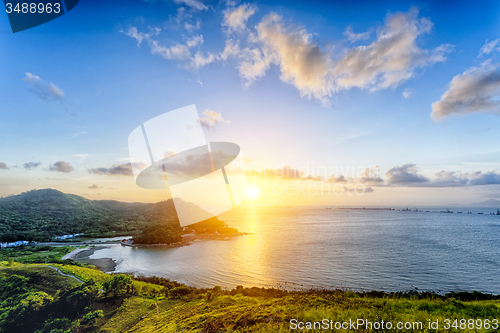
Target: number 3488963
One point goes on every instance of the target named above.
(33, 8)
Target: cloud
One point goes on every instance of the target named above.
(370, 176)
(392, 58)
(61, 166)
(236, 20)
(408, 92)
(286, 172)
(31, 165)
(192, 27)
(177, 52)
(194, 41)
(450, 178)
(94, 187)
(487, 178)
(405, 174)
(301, 61)
(478, 178)
(253, 173)
(231, 49)
(490, 47)
(44, 90)
(337, 179)
(212, 119)
(194, 4)
(354, 37)
(368, 190)
(183, 19)
(3, 166)
(475, 90)
(115, 170)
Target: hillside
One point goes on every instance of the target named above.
(34, 298)
(42, 214)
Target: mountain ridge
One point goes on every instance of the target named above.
(489, 202)
(45, 213)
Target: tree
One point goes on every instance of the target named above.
(158, 234)
(120, 284)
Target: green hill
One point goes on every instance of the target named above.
(42, 214)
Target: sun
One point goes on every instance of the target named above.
(253, 192)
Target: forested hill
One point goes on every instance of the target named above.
(42, 214)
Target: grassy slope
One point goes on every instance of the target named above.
(212, 311)
(243, 313)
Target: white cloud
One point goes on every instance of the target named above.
(301, 61)
(370, 176)
(392, 58)
(387, 62)
(194, 4)
(490, 47)
(178, 52)
(231, 49)
(212, 119)
(184, 19)
(194, 41)
(354, 37)
(475, 90)
(192, 27)
(451, 178)
(408, 92)
(236, 20)
(44, 90)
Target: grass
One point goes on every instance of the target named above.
(33, 254)
(155, 308)
(254, 314)
(41, 278)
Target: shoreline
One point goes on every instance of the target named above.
(187, 240)
(107, 265)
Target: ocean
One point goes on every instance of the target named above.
(314, 247)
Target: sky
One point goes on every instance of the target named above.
(332, 103)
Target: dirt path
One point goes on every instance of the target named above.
(68, 275)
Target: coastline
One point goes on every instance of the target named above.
(187, 240)
(106, 265)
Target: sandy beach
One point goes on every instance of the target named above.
(83, 256)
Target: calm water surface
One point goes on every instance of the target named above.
(333, 248)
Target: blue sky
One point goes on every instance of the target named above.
(95, 76)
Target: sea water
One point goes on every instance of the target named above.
(315, 247)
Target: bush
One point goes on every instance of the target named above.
(177, 292)
(120, 284)
(91, 317)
